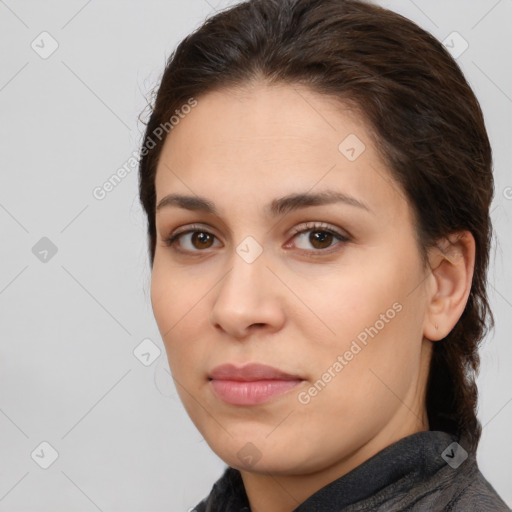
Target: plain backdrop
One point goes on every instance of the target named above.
(89, 416)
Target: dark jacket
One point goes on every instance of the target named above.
(424, 472)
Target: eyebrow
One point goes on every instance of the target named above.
(275, 208)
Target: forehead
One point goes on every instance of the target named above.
(265, 117)
(269, 141)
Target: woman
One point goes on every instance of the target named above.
(317, 179)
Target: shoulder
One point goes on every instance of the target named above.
(464, 489)
(477, 494)
(460, 488)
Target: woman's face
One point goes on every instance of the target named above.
(340, 306)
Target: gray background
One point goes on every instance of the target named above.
(70, 325)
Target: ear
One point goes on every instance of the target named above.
(452, 263)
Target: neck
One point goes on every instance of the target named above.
(278, 492)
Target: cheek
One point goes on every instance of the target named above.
(353, 302)
(374, 377)
(374, 322)
(381, 358)
(162, 298)
(171, 296)
(180, 315)
(170, 304)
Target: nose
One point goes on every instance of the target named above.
(248, 298)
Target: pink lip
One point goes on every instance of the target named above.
(250, 372)
(251, 384)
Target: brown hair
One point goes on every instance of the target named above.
(424, 118)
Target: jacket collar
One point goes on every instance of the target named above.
(402, 464)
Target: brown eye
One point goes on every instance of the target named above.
(198, 240)
(319, 237)
(202, 239)
(194, 240)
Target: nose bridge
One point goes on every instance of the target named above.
(248, 269)
(246, 296)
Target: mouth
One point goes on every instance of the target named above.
(251, 384)
(250, 372)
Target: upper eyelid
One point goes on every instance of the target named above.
(301, 228)
(304, 226)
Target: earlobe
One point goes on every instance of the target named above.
(452, 265)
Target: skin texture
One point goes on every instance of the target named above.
(290, 308)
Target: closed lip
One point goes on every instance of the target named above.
(250, 372)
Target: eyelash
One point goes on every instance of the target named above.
(314, 226)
